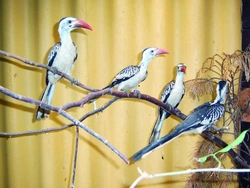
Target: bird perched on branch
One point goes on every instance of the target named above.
(202, 118)
(61, 57)
(131, 76)
(172, 94)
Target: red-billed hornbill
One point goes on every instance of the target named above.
(61, 57)
(131, 76)
(202, 118)
(172, 94)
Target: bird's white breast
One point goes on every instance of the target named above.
(176, 94)
(133, 82)
(64, 61)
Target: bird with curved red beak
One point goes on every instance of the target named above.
(172, 95)
(81, 24)
(61, 58)
(129, 77)
(201, 119)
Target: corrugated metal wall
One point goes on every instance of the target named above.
(190, 30)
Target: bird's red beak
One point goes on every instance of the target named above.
(161, 51)
(183, 69)
(82, 24)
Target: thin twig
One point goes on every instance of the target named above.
(67, 116)
(99, 109)
(75, 158)
(104, 141)
(26, 133)
(66, 76)
(145, 175)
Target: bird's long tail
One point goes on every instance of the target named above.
(113, 83)
(46, 98)
(157, 128)
(109, 86)
(155, 145)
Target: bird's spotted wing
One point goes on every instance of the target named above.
(167, 90)
(164, 96)
(214, 113)
(52, 54)
(202, 116)
(125, 74)
(76, 52)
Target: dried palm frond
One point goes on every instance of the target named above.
(229, 68)
(198, 87)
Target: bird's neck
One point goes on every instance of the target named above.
(179, 78)
(144, 63)
(219, 100)
(65, 38)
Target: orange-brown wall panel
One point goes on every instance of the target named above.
(191, 30)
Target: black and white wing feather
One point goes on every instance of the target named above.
(197, 122)
(164, 96)
(51, 57)
(76, 55)
(124, 75)
(53, 53)
(201, 118)
(162, 115)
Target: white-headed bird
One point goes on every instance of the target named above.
(172, 95)
(131, 76)
(61, 57)
(202, 118)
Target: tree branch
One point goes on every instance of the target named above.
(95, 93)
(75, 158)
(66, 76)
(27, 133)
(67, 116)
(145, 175)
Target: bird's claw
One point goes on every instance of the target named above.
(126, 92)
(219, 130)
(177, 110)
(74, 81)
(55, 70)
(137, 93)
(224, 129)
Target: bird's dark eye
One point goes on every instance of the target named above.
(152, 51)
(69, 21)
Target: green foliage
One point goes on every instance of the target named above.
(235, 143)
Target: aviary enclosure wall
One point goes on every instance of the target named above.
(190, 30)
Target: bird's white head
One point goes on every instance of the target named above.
(181, 67)
(67, 24)
(222, 89)
(149, 53)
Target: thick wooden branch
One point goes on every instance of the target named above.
(121, 94)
